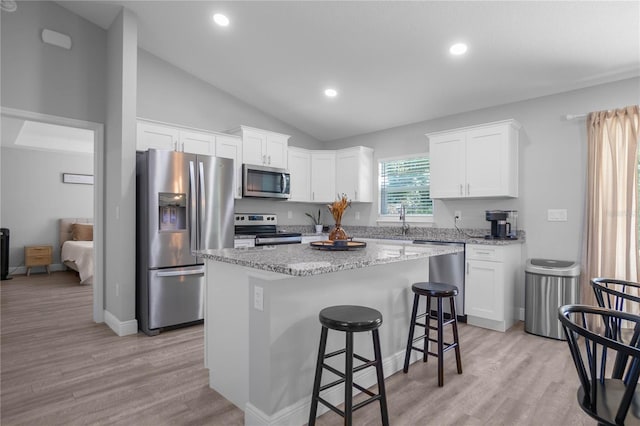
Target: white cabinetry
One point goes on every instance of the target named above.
(229, 146)
(300, 171)
(475, 162)
(263, 147)
(492, 273)
(306, 239)
(156, 136)
(354, 173)
(196, 142)
(323, 176)
(159, 136)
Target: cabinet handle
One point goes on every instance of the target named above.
(182, 146)
(355, 191)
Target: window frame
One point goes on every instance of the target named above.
(410, 218)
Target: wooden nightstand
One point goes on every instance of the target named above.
(37, 256)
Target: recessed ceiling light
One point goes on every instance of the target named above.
(221, 19)
(458, 49)
(331, 93)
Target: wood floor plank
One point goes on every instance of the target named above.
(57, 367)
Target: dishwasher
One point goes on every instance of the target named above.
(448, 269)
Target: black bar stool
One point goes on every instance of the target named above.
(439, 291)
(350, 319)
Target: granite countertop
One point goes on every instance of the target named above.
(303, 260)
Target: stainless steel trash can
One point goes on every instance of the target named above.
(548, 285)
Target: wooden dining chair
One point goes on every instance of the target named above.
(607, 391)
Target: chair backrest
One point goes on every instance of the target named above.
(612, 294)
(606, 392)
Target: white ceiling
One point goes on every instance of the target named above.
(389, 60)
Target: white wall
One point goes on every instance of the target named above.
(552, 163)
(34, 197)
(168, 94)
(42, 78)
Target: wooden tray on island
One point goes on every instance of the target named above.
(338, 245)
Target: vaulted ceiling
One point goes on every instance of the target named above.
(388, 60)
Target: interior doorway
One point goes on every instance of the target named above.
(14, 120)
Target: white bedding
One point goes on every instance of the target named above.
(81, 254)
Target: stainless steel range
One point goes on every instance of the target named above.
(264, 227)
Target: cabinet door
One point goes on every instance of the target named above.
(300, 171)
(197, 142)
(484, 292)
(150, 135)
(487, 161)
(447, 165)
(354, 168)
(276, 151)
(231, 147)
(323, 176)
(254, 147)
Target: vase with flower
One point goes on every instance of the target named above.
(337, 209)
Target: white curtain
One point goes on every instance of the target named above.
(611, 225)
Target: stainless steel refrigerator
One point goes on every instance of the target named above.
(185, 202)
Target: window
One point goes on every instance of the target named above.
(405, 181)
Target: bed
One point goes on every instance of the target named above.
(76, 246)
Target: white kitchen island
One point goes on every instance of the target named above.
(261, 319)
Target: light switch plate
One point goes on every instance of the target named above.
(557, 215)
(258, 298)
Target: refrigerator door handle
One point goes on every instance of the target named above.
(180, 273)
(203, 202)
(193, 222)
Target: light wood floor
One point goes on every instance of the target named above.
(60, 368)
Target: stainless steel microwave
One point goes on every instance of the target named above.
(266, 182)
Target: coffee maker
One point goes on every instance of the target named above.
(503, 224)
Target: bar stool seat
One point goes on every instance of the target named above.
(349, 319)
(439, 291)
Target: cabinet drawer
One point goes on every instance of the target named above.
(37, 250)
(485, 252)
(37, 255)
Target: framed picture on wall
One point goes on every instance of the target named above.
(76, 178)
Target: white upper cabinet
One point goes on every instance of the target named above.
(229, 146)
(160, 136)
(156, 136)
(196, 142)
(475, 162)
(300, 172)
(263, 147)
(323, 176)
(354, 173)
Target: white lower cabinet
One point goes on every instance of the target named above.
(492, 274)
(306, 239)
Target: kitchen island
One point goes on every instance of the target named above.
(261, 318)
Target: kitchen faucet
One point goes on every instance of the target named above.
(403, 218)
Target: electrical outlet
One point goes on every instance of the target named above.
(357, 215)
(258, 298)
(289, 214)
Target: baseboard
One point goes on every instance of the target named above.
(298, 413)
(22, 270)
(121, 328)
